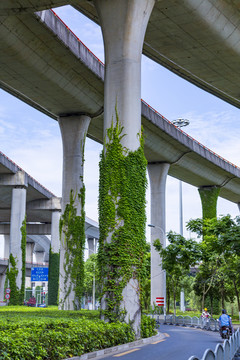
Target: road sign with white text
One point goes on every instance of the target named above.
(39, 274)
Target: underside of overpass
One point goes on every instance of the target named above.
(46, 65)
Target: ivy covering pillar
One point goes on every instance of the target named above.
(123, 166)
(72, 223)
(209, 196)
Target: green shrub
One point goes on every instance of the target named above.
(42, 334)
(148, 326)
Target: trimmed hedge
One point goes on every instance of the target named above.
(58, 339)
(35, 333)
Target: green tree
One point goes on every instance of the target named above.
(220, 256)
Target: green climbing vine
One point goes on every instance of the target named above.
(209, 196)
(12, 273)
(23, 248)
(53, 277)
(122, 218)
(72, 227)
(17, 295)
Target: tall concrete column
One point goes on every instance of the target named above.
(55, 239)
(73, 131)
(2, 282)
(91, 247)
(157, 174)
(29, 251)
(209, 197)
(18, 210)
(6, 246)
(123, 26)
(40, 256)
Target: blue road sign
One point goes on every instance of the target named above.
(39, 274)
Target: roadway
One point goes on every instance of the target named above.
(179, 343)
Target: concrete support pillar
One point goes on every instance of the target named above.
(40, 255)
(182, 301)
(209, 197)
(29, 252)
(239, 206)
(2, 282)
(18, 210)
(157, 175)
(6, 246)
(73, 131)
(55, 239)
(123, 26)
(91, 247)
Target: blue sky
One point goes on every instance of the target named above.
(33, 140)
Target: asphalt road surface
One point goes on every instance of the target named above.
(179, 344)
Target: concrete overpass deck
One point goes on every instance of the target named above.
(12, 175)
(47, 66)
(197, 40)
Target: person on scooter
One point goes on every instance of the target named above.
(225, 321)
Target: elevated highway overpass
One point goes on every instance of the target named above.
(44, 64)
(197, 40)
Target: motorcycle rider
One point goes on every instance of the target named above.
(225, 320)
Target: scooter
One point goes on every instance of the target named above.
(225, 332)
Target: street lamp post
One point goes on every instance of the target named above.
(180, 122)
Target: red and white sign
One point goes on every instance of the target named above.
(7, 296)
(160, 301)
(7, 291)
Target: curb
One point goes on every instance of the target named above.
(115, 349)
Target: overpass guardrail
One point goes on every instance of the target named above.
(227, 351)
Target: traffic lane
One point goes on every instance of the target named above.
(179, 342)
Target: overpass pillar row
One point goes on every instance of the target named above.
(18, 211)
(73, 131)
(209, 197)
(157, 175)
